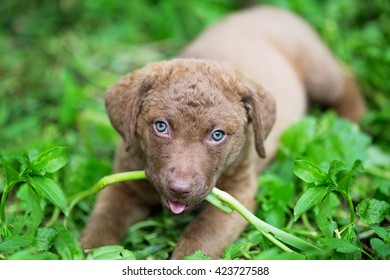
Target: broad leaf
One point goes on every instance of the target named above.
(335, 167)
(383, 248)
(310, 172)
(50, 160)
(66, 245)
(34, 212)
(340, 245)
(47, 188)
(44, 239)
(372, 211)
(383, 233)
(198, 255)
(27, 254)
(292, 143)
(233, 251)
(308, 199)
(324, 217)
(277, 254)
(11, 175)
(111, 253)
(15, 243)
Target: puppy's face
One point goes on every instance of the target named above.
(191, 119)
(191, 129)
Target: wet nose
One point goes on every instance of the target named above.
(179, 187)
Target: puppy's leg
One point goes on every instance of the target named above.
(121, 205)
(351, 103)
(330, 83)
(213, 230)
(116, 208)
(338, 88)
(324, 78)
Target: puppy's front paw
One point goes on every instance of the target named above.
(93, 238)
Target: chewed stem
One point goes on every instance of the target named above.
(274, 234)
(218, 198)
(104, 182)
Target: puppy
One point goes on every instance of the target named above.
(208, 118)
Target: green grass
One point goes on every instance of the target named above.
(330, 187)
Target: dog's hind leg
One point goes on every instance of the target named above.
(325, 79)
(350, 103)
(332, 84)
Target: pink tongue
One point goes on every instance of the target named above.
(176, 207)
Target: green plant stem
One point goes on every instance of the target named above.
(306, 222)
(311, 234)
(104, 182)
(351, 209)
(214, 200)
(2, 208)
(348, 198)
(375, 171)
(54, 217)
(218, 198)
(367, 254)
(265, 228)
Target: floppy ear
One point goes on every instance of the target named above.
(261, 110)
(123, 103)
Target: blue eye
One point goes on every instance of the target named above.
(217, 135)
(161, 127)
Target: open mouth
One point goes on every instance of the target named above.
(176, 207)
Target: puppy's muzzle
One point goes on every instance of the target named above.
(179, 188)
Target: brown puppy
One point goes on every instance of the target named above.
(197, 122)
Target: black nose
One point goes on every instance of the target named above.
(180, 188)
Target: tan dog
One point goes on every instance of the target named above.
(196, 122)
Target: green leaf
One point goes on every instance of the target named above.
(384, 187)
(47, 188)
(34, 212)
(11, 175)
(344, 178)
(324, 217)
(383, 233)
(372, 211)
(233, 251)
(308, 199)
(292, 143)
(351, 237)
(274, 197)
(275, 254)
(324, 139)
(349, 141)
(66, 245)
(310, 172)
(50, 160)
(15, 243)
(340, 245)
(44, 239)
(111, 253)
(198, 255)
(5, 231)
(383, 248)
(335, 167)
(30, 255)
(18, 160)
(18, 224)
